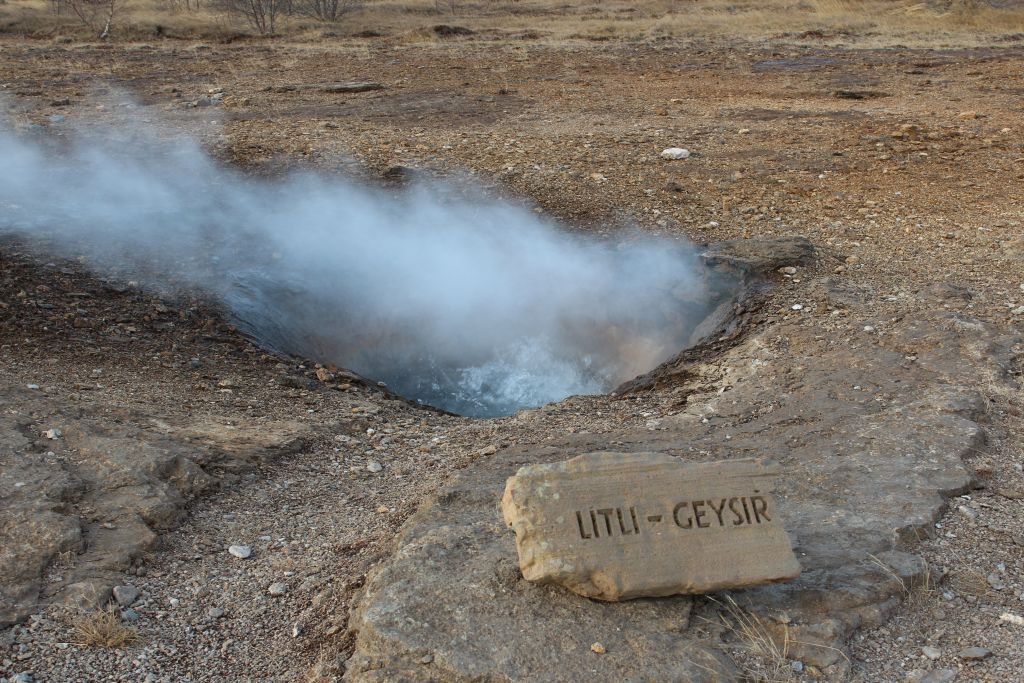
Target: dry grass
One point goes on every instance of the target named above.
(870, 23)
(770, 656)
(102, 628)
(970, 582)
(917, 591)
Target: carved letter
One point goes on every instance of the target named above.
(746, 510)
(607, 514)
(579, 520)
(622, 524)
(760, 506)
(632, 513)
(732, 508)
(698, 514)
(675, 516)
(593, 523)
(718, 510)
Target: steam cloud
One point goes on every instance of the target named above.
(472, 305)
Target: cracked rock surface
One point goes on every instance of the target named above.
(105, 488)
(871, 429)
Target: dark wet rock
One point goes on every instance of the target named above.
(446, 31)
(761, 255)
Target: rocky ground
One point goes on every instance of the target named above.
(142, 438)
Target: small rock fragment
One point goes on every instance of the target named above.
(125, 595)
(278, 588)
(374, 466)
(296, 630)
(1011, 618)
(931, 653)
(974, 653)
(675, 153)
(487, 450)
(597, 648)
(242, 552)
(129, 614)
(52, 433)
(426, 659)
(215, 612)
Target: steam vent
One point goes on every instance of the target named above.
(511, 342)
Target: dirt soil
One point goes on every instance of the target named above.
(905, 166)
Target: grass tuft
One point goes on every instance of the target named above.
(102, 628)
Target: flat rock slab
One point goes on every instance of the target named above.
(616, 526)
(871, 430)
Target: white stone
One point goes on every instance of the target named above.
(278, 589)
(242, 552)
(675, 153)
(374, 466)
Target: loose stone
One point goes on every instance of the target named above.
(242, 552)
(597, 648)
(675, 153)
(931, 653)
(974, 653)
(374, 466)
(125, 595)
(278, 589)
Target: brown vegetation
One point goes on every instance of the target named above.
(102, 628)
(864, 22)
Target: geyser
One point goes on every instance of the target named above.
(469, 304)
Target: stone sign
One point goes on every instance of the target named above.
(615, 526)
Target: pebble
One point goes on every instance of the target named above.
(278, 589)
(995, 581)
(1011, 618)
(797, 666)
(969, 513)
(215, 612)
(426, 659)
(598, 648)
(296, 630)
(32, 386)
(23, 677)
(487, 450)
(931, 653)
(129, 614)
(675, 153)
(242, 552)
(125, 595)
(974, 653)
(787, 270)
(52, 433)
(797, 307)
(869, 329)
(374, 466)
